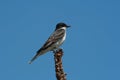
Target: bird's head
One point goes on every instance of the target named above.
(61, 25)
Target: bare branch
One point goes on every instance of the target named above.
(60, 75)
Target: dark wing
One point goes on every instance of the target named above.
(58, 34)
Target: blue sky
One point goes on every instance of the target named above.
(91, 50)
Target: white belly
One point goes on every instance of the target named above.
(60, 42)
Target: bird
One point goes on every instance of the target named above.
(55, 40)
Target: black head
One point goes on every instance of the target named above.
(60, 25)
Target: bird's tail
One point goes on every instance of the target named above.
(39, 53)
(35, 57)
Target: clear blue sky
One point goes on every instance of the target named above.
(91, 50)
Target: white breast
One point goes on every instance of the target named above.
(63, 38)
(59, 43)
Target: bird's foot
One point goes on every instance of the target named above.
(57, 50)
(54, 51)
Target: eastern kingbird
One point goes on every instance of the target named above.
(54, 41)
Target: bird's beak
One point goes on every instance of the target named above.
(68, 26)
